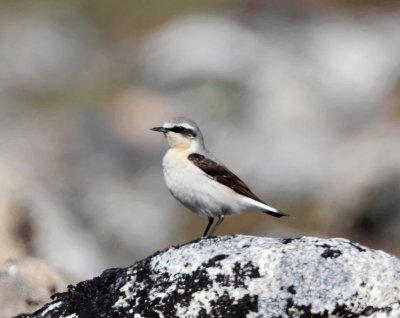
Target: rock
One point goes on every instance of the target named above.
(237, 276)
(26, 285)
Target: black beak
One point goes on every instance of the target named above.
(160, 129)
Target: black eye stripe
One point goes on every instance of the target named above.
(182, 130)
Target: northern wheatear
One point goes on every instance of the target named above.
(200, 181)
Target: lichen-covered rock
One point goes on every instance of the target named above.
(243, 276)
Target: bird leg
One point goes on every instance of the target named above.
(210, 222)
(220, 220)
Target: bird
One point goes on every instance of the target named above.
(202, 183)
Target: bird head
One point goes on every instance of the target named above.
(181, 133)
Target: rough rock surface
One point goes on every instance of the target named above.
(243, 276)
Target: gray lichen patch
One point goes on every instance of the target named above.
(243, 276)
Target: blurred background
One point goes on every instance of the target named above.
(300, 98)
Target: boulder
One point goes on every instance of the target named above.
(242, 276)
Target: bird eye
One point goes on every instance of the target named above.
(179, 129)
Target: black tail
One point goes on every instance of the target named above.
(277, 214)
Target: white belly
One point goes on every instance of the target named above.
(191, 186)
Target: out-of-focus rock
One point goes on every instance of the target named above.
(238, 276)
(375, 213)
(46, 50)
(16, 230)
(26, 285)
(133, 111)
(227, 50)
(32, 221)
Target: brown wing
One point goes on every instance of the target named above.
(221, 174)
